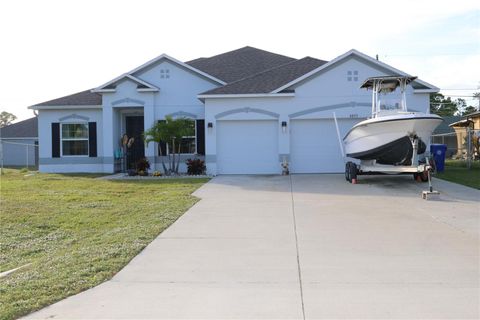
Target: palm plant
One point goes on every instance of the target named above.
(171, 132)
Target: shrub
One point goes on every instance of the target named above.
(143, 165)
(195, 166)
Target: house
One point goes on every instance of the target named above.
(252, 109)
(444, 134)
(469, 123)
(19, 144)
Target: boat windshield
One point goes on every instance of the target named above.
(390, 104)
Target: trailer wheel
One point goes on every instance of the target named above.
(352, 172)
(347, 171)
(424, 176)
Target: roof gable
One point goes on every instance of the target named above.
(238, 64)
(178, 62)
(361, 56)
(267, 81)
(23, 129)
(110, 86)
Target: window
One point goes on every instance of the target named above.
(164, 73)
(189, 144)
(352, 75)
(74, 139)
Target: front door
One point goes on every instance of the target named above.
(134, 128)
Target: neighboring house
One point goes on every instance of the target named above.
(19, 144)
(469, 122)
(252, 109)
(444, 134)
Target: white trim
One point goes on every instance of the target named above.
(165, 56)
(426, 90)
(104, 90)
(19, 138)
(147, 90)
(246, 95)
(64, 107)
(342, 57)
(101, 88)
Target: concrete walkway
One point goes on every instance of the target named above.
(302, 247)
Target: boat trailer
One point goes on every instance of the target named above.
(421, 170)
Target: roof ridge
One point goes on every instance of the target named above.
(239, 49)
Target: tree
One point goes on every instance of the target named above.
(476, 95)
(441, 105)
(6, 118)
(171, 132)
(468, 110)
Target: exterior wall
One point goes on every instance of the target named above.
(316, 98)
(70, 163)
(19, 152)
(177, 97)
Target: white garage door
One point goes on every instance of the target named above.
(247, 147)
(314, 146)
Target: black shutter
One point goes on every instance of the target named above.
(92, 139)
(162, 146)
(201, 137)
(55, 140)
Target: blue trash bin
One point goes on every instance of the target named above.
(438, 151)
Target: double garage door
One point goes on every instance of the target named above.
(251, 147)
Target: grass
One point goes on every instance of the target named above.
(456, 171)
(77, 231)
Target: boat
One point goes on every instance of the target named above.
(393, 135)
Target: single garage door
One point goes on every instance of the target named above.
(314, 146)
(247, 147)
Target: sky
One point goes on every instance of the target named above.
(50, 48)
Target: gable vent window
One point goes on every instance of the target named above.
(352, 75)
(164, 73)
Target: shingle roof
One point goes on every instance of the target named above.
(23, 129)
(267, 81)
(444, 127)
(83, 98)
(247, 70)
(238, 64)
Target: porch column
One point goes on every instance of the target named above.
(149, 120)
(107, 132)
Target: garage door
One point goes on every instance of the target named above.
(314, 146)
(247, 147)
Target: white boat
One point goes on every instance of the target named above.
(392, 134)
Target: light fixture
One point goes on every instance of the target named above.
(284, 126)
(210, 125)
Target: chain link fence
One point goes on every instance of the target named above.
(19, 153)
(463, 144)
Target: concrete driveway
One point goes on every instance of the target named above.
(302, 247)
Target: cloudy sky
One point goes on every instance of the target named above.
(54, 48)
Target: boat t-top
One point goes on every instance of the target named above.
(394, 139)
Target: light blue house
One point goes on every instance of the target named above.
(252, 110)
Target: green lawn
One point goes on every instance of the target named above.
(456, 171)
(77, 231)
